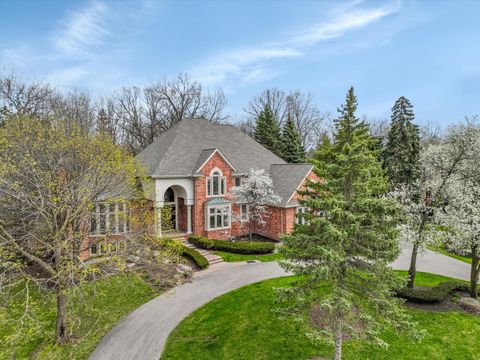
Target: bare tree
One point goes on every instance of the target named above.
(146, 113)
(26, 98)
(307, 117)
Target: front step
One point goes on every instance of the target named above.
(211, 257)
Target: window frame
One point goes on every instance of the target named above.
(111, 218)
(300, 220)
(216, 175)
(244, 215)
(224, 213)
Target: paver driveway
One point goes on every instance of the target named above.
(142, 334)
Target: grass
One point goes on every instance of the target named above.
(240, 325)
(230, 257)
(444, 251)
(94, 312)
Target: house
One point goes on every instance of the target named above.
(194, 165)
(191, 169)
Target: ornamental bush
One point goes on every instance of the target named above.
(195, 256)
(430, 295)
(243, 247)
(184, 251)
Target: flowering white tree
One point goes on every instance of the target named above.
(461, 218)
(255, 194)
(461, 214)
(440, 163)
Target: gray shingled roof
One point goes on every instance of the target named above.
(184, 148)
(287, 178)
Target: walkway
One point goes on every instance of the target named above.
(142, 334)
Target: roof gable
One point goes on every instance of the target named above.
(205, 157)
(287, 178)
(178, 151)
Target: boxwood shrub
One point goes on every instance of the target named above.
(242, 247)
(184, 251)
(195, 256)
(430, 295)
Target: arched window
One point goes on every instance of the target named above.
(216, 184)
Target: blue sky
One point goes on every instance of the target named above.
(428, 51)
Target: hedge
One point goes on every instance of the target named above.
(195, 256)
(192, 254)
(242, 247)
(430, 295)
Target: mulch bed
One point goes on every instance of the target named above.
(449, 304)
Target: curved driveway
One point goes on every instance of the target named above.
(142, 334)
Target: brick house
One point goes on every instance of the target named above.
(194, 165)
(191, 169)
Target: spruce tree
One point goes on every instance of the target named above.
(402, 151)
(267, 132)
(293, 150)
(349, 239)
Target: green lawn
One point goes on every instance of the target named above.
(240, 325)
(230, 257)
(95, 312)
(443, 251)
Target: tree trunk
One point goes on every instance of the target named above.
(61, 322)
(338, 344)
(412, 271)
(474, 272)
(250, 231)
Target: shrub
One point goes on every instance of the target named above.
(195, 256)
(243, 247)
(430, 295)
(184, 251)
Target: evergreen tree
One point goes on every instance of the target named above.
(267, 132)
(293, 150)
(349, 239)
(402, 151)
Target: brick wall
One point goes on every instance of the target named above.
(200, 185)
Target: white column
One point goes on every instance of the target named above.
(158, 221)
(189, 219)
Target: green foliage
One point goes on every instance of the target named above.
(241, 247)
(93, 312)
(267, 132)
(167, 218)
(182, 250)
(293, 150)
(196, 257)
(350, 239)
(241, 326)
(402, 151)
(429, 295)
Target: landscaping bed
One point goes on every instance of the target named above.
(242, 247)
(240, 325)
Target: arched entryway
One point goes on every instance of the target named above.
(169, 211)
(174, 202)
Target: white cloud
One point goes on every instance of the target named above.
(253, 64)
(339, 25)
(82, 30)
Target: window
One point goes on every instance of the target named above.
(111, 218)
(218, 217)
(112, 222)
(216, 183)
(238, 181)
(93, 249)
(102, 216)
(102, 248)
(300, 218)
(244, 212)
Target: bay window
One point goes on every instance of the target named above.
(218, 217)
